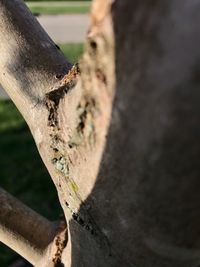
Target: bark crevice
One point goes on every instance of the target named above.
(52, 98)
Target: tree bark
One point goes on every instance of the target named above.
(148, 184)
(23, 230)
(68, 122)
(130, 192)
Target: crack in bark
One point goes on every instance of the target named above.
(52, 99)
(87, 110)
(60, 155)
(60, 243)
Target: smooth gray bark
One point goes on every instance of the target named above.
(31, 64)
(146, 198)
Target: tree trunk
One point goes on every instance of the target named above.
(128, 182)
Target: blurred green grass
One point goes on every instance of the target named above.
(72, 51)
(54, 8)
(60, 10)
(22, 172)
(59, 1)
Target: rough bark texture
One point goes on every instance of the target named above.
(138, 203)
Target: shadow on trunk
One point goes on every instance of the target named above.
(146, 198)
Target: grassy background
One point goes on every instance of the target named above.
(22, 172)
(57, 1)
(59, 10)
(59, 7)
(72, 51)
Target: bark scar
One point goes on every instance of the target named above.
(87, 110)
(52, 98)
(60, 243)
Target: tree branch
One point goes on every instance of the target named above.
(31, 64)
(23, 230)
(69, 126)
(67, 110)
